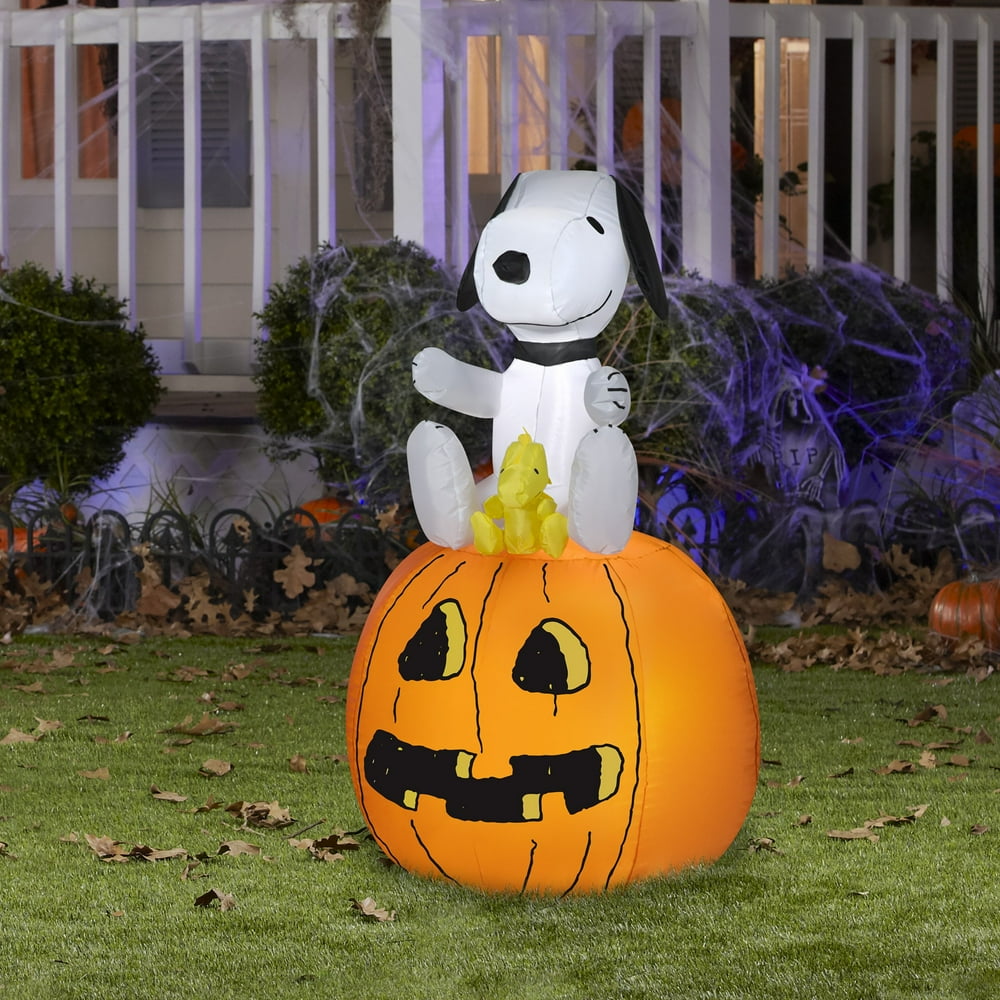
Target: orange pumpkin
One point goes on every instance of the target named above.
(326, 510)
(552, 725)
(968, 137)
(968, 607)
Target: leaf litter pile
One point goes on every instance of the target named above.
(266, 829)
(884, 632)
(317, 599)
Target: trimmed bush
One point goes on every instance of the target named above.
(334, 362)
(75, 382)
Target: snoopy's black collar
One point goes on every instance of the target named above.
(554, 354)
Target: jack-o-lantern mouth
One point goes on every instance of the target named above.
(403, 772)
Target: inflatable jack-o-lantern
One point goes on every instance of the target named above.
(525, 723)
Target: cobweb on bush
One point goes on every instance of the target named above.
(848, 360)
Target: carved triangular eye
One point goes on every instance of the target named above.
(553, 660)
(436, 651)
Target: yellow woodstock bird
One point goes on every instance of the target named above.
(530, 519)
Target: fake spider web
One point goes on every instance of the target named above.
(855, 366)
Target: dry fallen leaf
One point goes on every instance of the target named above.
(211, 804)
(979, 829)
(329, 848)
(296, 576)
(298, 764)
(35, 688)
(929, 713)
(206, 726)
(858, 833)
(186, 871)
(897, 767)
(16, 736)
(370, 910)
(763, 844)
(100, 774)
(236, 847)
(166, 796)
(214, 768)
(225, 900)
(143, 853)
(106, 848)
(268, 815)
(839, 555)
(959, 760)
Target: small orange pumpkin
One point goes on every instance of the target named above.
(968, 137)
(968, 607)
(326, 510)
(20, 538)
(552, 725)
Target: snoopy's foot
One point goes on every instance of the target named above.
(487, 536)
(553, 534)
(603, 488)
(443, 488)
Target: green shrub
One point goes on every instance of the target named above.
(894, 358)
(690, 377)
(334, 362)
(75, 382)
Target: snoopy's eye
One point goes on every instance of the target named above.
(595, 224)
(536, 472)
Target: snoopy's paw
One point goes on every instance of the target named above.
(441, 484)
(607, 397)
(432, 372)
(603, 489)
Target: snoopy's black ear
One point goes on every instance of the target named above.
(641, 251)
(467, 294)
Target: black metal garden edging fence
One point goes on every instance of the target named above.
(103, 562)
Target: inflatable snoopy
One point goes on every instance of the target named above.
(552, 264)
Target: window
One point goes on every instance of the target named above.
(225, 95)
(96, 76)
(225, 123)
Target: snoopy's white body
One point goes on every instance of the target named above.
(553, 266)
(547, 402)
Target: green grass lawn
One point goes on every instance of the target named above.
(788, 912)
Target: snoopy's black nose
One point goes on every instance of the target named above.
(513, 267)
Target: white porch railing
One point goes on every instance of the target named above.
(301, 196)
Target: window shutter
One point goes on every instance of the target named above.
(225, 110)
(965, 83)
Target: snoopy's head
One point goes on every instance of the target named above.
(553, 261)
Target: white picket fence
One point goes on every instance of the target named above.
(296, 64)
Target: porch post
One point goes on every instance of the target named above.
(418, 161)
(8, 94)
(707, 210)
